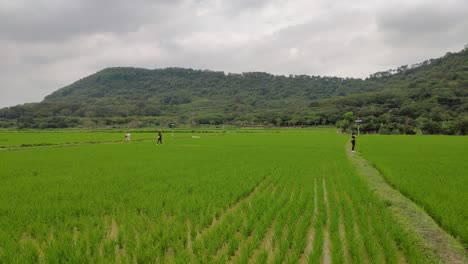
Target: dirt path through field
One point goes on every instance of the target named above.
(436, 243)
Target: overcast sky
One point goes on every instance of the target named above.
(47, 44)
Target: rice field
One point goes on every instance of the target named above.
(35, 138)
(265, 197)
(430, 170)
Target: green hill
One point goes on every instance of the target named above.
(431, 97)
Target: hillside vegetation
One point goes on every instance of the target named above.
(430, 97)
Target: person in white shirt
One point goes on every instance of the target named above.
(127, 136)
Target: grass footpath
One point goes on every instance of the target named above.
(430, 170)
(438, 245)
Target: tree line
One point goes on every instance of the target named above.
(430, 97)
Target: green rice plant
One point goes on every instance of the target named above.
(333, 225)
(212, 199)
(430, 170)
(262, 257)
(320, 222)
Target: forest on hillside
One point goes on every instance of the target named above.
(429, 97)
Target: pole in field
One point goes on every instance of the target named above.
(358, 122)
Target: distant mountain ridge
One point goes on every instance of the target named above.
(395, 101)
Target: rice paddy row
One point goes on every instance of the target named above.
(234, 198)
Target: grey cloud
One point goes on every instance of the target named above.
(48, 21)
(423, 19)
(334, 43)
(437, 23)
(422, 31)
(245, 5)
(47, 44)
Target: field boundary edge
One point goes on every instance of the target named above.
(436, 243)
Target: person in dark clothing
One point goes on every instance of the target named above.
(353, 141)
(159, 138)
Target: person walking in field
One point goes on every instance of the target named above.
(127, 136)
(159, 138)
(353, 141)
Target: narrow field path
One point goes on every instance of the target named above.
(436, 243)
